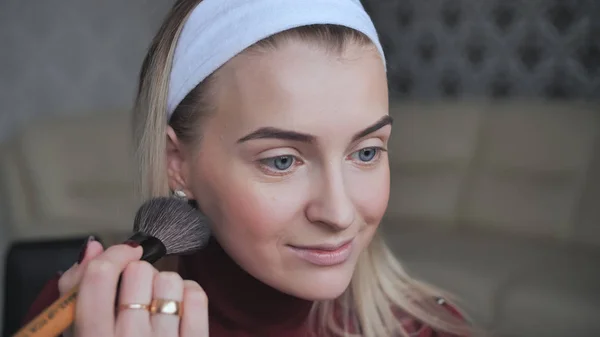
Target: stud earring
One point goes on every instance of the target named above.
(180, 194)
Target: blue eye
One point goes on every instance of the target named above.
(367, 154)
(280, 163)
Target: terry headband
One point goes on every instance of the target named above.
(218, 30)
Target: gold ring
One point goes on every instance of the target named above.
(135, 306)
(166, 307)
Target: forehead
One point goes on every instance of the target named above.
(302, 85)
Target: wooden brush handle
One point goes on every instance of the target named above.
(54, 320)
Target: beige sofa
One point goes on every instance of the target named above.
(69, 176)
(497, 202)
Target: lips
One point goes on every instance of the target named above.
(325, 254)
(324, 247)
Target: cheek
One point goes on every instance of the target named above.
(370, 192)
(258, 212)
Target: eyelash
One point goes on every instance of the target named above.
(264, 163)
(271, 171)
(376, 157)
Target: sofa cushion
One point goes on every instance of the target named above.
(472, 265)
(531, 166)
(561, 286)
(554, 136)
(430, 151)
(435, 132)
(533, 203)
(515, 166)
(426, 193)
(78, 170)
(501, 277)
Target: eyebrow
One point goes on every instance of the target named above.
(275, 133)
(385, 120)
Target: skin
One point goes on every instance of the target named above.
(98, 274)
(328, 195)
(335, 189)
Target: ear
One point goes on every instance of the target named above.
(178, 164)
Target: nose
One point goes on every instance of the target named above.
(331, 205)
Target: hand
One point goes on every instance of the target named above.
(98, 275)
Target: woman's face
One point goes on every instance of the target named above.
(292, 168)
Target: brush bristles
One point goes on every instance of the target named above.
(178, 225)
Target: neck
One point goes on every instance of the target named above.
(238, 301)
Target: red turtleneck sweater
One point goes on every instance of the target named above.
(239, 304)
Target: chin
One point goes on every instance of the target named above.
(322, 285)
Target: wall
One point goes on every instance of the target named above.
(71, 57)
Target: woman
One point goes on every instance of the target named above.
(272, 116)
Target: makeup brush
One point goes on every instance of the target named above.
(162, 226)
(169, 226)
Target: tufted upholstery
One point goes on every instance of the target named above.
(490, 48)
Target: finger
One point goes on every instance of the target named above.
(94, 248)
(94, 312)
(194, 322)
(167, 286)
(136, 288)
(72, 276)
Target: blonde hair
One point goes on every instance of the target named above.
(380, 290)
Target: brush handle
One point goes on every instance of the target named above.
(54, 320)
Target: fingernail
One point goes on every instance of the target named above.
(131, 243)
(84, 248)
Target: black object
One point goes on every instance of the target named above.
(28, 266)
(154, 249)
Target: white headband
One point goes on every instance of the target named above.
(218, 30)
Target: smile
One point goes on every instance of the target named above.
(325, 255)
